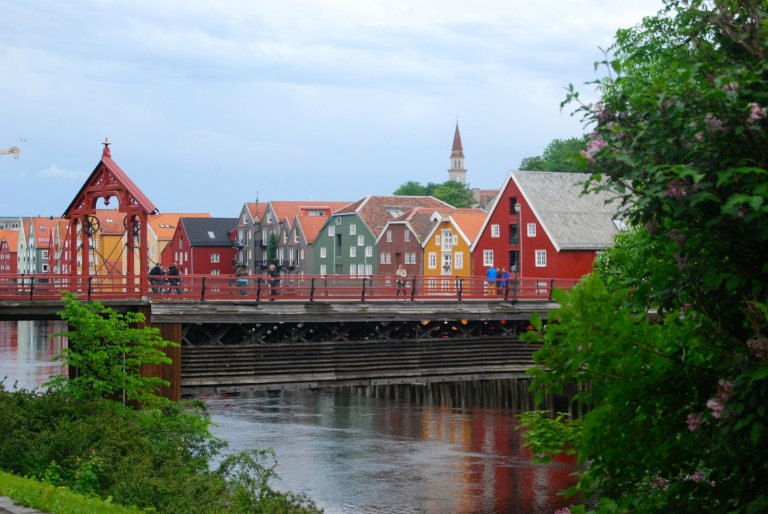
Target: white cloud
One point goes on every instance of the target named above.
(54, 172)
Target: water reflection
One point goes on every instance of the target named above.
(354, 453)
(27, 352)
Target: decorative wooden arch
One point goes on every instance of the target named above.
(108, 180)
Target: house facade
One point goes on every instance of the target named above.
(541, 226)
(9, 242)
(401, 241)
(203, 246)
(347, 244)
(447, 247)
(251, 249)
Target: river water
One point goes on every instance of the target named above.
(352, 452)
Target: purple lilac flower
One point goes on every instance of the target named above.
(756, 113)
(759, 347)
(713, 123)
(564, 510)
(697, 476)
(596, 143)
(694, 422)
(731, 86)
(676, 188)
(717, 404)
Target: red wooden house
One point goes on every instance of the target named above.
(541, 226)
(203, 246)
(9, 243)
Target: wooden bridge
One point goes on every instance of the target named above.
(245, 334)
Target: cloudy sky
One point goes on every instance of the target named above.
(212, 104)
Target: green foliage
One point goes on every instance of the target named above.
(272, 244)
(450, 191)
(411, 188)
(547, 436)
(46, 497)
(666, 340)
(559, 155)
(154, 458)
(108, 350)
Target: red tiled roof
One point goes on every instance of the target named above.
(286, 211)
(164, 225)
(377, 211)
(12, 236)
(256, 209)
(469, 221)
(311, 226)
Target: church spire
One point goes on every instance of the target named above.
(457, 171)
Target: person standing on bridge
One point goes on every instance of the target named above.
(174, 272)
(490, 282)
(274, 279)
(157, 273)
(400, 279)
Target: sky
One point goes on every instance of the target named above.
(211, 104)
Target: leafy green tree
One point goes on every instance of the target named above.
(667, 338)
(451, 192)
(272, 248)
(411, 188)
(108, 350)
(454, 193)
(559, 155)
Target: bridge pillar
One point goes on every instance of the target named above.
(170, 372)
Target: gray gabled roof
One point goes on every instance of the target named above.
(200, 230)
(572, 220)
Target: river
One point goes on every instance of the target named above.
(353, 452)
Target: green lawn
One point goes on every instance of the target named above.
(54, 500)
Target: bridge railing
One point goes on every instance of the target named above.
(283, 288)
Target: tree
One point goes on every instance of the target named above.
(667, 338)
(108, 350)
(411, 188)
(272, 248)
(559, 155)
(450, 191)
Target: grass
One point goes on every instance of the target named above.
(55, 500)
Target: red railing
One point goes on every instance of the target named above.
(283, 288)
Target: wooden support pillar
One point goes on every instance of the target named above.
(170, 372)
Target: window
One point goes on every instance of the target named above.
(487, 257)
(513, 234)
(495, 232)
(512, 203)
(447, 240)
(353, 251)
(432, 264)
(389, 236)
(301, 254)
(352, 229)
(458, 260)
(215, 272)
(360, 240)
(437, 240)
(353, 269)
(331, 231)
(369, 251)
(383, 257)
(323, 269)
(541, 258)
(45, 254)
(323, 252)
(407, 235)
(215, 257)
(531, 229)
(285, 238)
(211, 235)
(296, 237)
